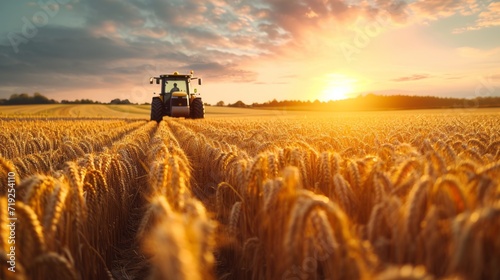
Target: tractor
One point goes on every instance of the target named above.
(176, 99)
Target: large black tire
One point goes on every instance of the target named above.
(197, 109)
(156, 110)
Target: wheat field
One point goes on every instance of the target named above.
(375, 195)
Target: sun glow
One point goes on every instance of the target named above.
(338, 87)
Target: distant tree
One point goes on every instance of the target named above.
(24, 98)
(87, 101)
(220, 103)
(16, 99)
(119, 101)
(238, 104)
(40, 99)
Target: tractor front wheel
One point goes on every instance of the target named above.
(197, 109)
(156, 110)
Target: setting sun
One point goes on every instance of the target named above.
(337, 87)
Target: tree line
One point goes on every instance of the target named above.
(38, 98)
(376, 102)
(360, 103)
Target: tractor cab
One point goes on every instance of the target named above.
(178, 97)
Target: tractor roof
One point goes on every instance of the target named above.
(174, 76)
(178, 76)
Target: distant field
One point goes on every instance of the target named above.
(118, 111)
(76, 110)
(143, 111)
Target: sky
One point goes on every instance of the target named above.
(251, 50)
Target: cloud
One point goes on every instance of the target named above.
(432, 10)
(398, 11)
(59, 51)
(414, 77)
(490, 17)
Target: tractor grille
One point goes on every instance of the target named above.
(179, 101)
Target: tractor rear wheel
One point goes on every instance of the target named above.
(156, 110)
(197, 109)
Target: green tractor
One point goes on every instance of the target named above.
(176, 99)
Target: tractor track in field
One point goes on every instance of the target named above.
(206, 177)
(130, 262)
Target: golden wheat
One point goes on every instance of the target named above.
(340, 197)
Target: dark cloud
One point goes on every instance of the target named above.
(415, 77)
(124, 13)
(398, 10)
(59, 51)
